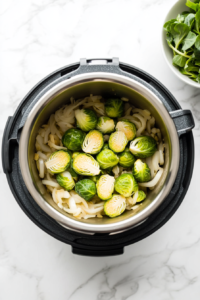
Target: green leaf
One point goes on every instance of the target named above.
(180, 18)
(197, 54)
(167, 25)
(191, 75)
(189, 41)
(192, 5)
(169, 38)
(198, 78)
(197, 63)
(179, 60)
(189, 19)
(197, 20)
(197, 43)
(179, 32)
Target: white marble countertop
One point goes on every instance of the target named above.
(37, 37)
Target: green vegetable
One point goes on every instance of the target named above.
(86, 119)
(117, 141)
(94, 178)
(128, 129)
(126, 159)
(58, 161)
(105, 125)
(65, 180)
(75, 154)
(86, 165)
(115, 206)
(179, 60)
(86, 188)
(143, 146)
(105, 187)
(105, 146)
(141, 196)
(107, 159)
(73, 139)
(183, 37)
(141, 171)
(114, 107)
(93, 142)
(126, 185)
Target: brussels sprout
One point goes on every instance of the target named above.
(117, 141)
(73, 139)
(86, 119)
(128, 129)
(141, 196)
(126, 159)
(95, 178)
(105, 125)
(114, 107)
(141, 171)
(72, 172)
(75, 154)
(85, 164)
(86, 188)
(105, 146)
(105, 187)
(115, 206)
(65, 180)
(107, 159)
(126, 184)
(143, 146)
(93, 142)
(58, 161)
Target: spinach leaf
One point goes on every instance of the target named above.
(197, 21)
(189, 20)
(189, 41)
(192, 5)
(198, 78)
(197, 54)
(180, 18)
(179, 60)
(179, 31)
(167, 25)
(191, 75)
(197, 43)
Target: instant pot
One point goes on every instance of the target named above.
(107, 236)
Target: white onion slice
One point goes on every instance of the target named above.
(154, 181)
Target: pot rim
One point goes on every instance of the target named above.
(76, 224)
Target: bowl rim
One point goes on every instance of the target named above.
(182, 77)
(44, 98)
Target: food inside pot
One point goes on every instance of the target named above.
(99, 157)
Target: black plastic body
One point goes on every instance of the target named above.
(98, 244)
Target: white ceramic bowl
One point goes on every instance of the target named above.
(176, 9)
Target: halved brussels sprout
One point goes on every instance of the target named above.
(141, 171)
(143, 146)
(105, 125)
(114, 107)
(126, 159)
(85, 164)
(86, 188)
(105, 146)
(126, 185)
(107, 159)
(65, 180)
(75, 154)
(115, 206)
(86, 119)
(58, 161)
(73, 139)
(141, 196)
(117, 141)
(105, 187)
(128, 129)
(72, 172)
(93, 142)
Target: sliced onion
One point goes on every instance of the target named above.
(154, 181)
(51, 183)
(43, 147)
(41, 164)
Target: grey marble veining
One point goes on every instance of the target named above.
(38, 37)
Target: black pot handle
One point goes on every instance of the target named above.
(97, 253)
(183, 120)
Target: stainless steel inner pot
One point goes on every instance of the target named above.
(103, 84)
